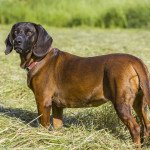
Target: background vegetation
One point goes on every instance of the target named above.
(70, 13)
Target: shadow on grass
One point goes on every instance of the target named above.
(98, 121)
(27, 117)
(90, 120)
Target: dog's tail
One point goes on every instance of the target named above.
(144, 79)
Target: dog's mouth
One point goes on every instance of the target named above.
(18, 49)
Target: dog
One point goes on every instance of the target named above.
(61, 80)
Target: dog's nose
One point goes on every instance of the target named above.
(18, 40)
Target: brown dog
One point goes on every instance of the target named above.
(59, 79)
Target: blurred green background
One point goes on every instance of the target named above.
(70, 13)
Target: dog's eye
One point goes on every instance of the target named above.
(15, 32)
(29, 33)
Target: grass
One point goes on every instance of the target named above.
(86, 128)
(70, 13)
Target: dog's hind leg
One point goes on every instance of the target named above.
(123, 98)
(140, 107)
(124, 112)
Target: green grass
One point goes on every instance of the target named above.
(70, 13)
(86, 128)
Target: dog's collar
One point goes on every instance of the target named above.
(34, 63)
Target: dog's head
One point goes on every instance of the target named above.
(26, 37)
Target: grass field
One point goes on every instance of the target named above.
(70, 13)
(90, 128)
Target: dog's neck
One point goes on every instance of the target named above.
(36, 65)
(29, 61)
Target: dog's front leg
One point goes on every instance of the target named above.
(57, 113)
(44, 108)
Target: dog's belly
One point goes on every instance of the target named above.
(78, 103)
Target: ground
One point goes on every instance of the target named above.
(86, 128)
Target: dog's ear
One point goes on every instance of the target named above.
(9, 43)
(43, 43)
(9, 40)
